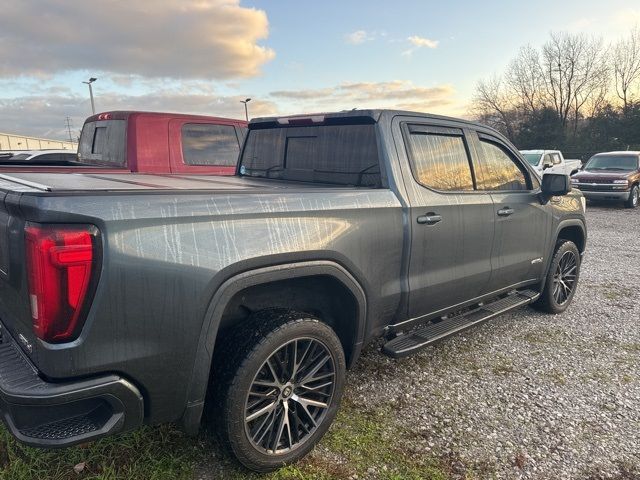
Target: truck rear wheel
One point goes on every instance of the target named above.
(285, 389)
(562, 279)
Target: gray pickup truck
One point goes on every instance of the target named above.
(241, 301)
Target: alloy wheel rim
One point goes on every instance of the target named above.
(636, 194)
(564, 278)
(289, 396)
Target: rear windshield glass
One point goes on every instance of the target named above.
(335, 154)
(612, 162)
(209, 144)
(103, 143)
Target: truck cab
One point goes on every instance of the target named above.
(148, 142)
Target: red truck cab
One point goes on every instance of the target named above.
(152, 142)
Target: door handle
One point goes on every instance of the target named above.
(429, 219)
(505, 212)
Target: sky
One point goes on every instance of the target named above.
(204, 56)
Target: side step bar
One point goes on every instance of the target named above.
(415, 340)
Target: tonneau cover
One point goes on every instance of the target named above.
(74, 182)
(124, 182)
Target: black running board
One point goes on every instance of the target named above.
(415, 340)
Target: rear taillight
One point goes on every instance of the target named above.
(62, 265)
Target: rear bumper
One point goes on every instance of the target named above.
(619, 196)
(47, 414)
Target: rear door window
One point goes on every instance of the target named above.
(439, 158)
(209, 144)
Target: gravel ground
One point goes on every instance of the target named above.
(525, 395)
(529, 395)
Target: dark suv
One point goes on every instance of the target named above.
(611, 176)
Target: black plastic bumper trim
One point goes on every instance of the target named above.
(47, 414)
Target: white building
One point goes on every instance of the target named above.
(11, 142)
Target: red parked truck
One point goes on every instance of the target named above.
(150, 142)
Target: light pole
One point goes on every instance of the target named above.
(91, 80)
(246, 112)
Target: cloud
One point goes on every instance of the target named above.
(302, 94)
(627, 18)
(44, 115)
(423, 42)
(580, 24)
(358, 37)
(203, 39)
(419, 42)
(399, 94)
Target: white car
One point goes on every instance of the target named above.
(42, 157)
(550, 161)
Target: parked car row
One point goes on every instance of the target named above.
(607, 176)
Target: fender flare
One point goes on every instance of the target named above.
(570, 222)
(198, 383)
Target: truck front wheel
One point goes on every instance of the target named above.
(286, 389)
(562, 279)
(634, 197)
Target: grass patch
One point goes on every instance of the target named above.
(617, 292)
(557, 377)
(360, 442)
(372, 447)
(543, 336)
(148, 453)
(503, 366)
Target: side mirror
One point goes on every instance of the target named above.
(555, 185)
(547, 164)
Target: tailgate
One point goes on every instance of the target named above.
(15, 313)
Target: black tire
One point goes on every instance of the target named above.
(259, 354)
(634, 197)
(564, 270)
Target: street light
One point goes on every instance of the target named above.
(91, 80)
(246, 112)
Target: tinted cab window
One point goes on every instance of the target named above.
(207, 144)
(439, 158)
(103, 142)
(337, 154)
(497, 169)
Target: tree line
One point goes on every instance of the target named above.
(575, 93)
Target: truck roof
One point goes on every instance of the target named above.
(620, 152)
(540, 152)
(126, 114)
(373, 115)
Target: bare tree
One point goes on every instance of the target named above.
(626, 66)
(492, 105)
(574, 68)
(525, 81)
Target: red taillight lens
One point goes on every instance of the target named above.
(61, 264)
